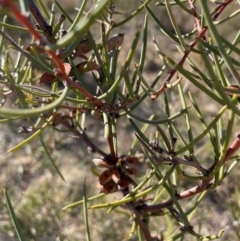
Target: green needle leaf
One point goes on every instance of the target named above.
(13, 216)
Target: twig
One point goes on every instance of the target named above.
(196, 16)
(82, 136)
(42, 24)
(14, 44)
(110, 138)
(181, 62)
(202, 186)
(143, 226)
(220, 8)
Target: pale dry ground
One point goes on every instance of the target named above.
(38, 194)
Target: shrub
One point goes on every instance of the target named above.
(169, 135)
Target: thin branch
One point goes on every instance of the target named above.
(220, 8)
(181, 62)
(202, 186)
(42, 24)
(83, 137)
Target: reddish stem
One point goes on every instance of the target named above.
(24, 21)
(220, 8)
(196, 16)
(233, 148)
(110, 139)
(181, 62)
(202, 186)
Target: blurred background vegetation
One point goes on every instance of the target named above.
(37, 192)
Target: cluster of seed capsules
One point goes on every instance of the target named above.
(117, 175)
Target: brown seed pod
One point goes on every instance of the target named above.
(136, 162)
(110, 187)
(131, 160)
(123, 183)
(47, 78)
(64, 119)
(83, 47)
(105, 177)
(132, 170)
(115, 41)
(90, 67)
